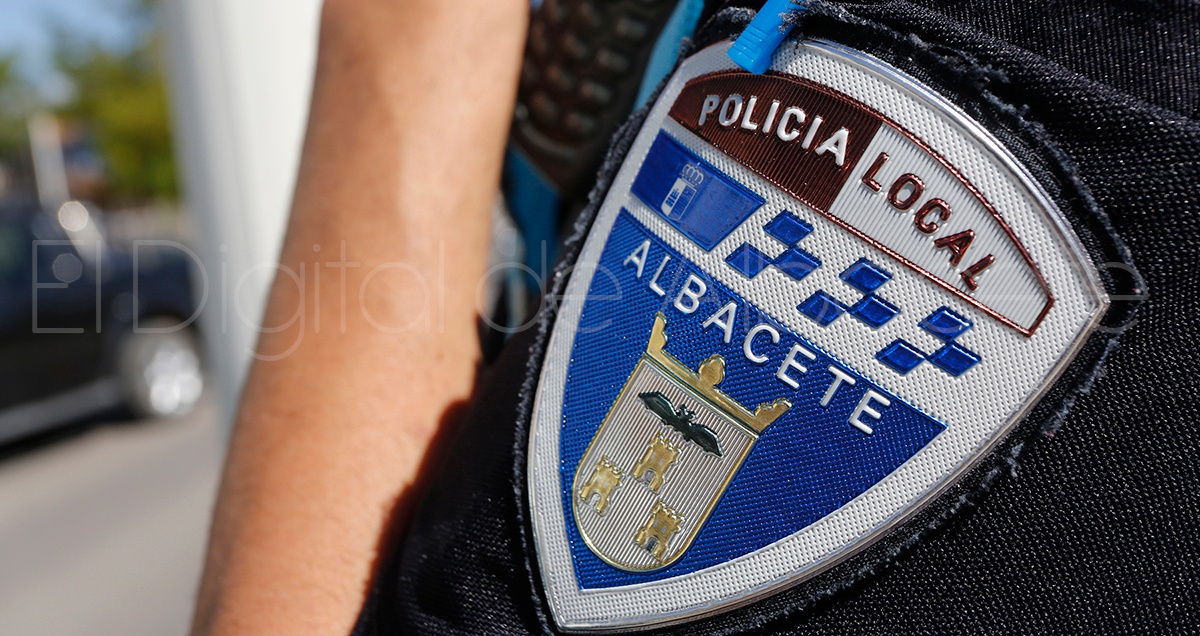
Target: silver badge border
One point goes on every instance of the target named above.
(1084, 267)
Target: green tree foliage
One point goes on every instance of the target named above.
(120, 97)
(16, 101)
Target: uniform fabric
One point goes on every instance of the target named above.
(1093, 527)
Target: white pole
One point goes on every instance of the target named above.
(240, 78)
(49, 166)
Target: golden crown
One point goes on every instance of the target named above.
(704, 381)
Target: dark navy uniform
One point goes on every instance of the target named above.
(1085, 518)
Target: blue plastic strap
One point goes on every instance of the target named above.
(533, 202)
(665, 53)
(754, 47)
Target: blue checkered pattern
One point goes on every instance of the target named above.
(747, 260)
(953, 358)
(867, 277)
(789, 229)
(822, 308)
(872, 309)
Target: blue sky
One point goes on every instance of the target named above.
(27, 28)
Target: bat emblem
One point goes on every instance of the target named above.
(681, 420)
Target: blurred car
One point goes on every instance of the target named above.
(87, 326)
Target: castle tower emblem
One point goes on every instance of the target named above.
(661, 459)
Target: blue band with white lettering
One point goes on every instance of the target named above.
(810, 462)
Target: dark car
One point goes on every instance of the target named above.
(87, 326)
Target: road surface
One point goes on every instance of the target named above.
(102, 530)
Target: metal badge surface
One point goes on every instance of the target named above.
(809, 302)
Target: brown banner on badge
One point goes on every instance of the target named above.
(800, 136)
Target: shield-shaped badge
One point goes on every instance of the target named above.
(810, 302)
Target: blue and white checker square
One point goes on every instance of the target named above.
(748, 260)
(871, 309)
(953, 358)
(874, 311)
(867, 277)
(789, 229)
(864, 276)
(822, 308)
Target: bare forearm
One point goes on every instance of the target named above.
(390, 220)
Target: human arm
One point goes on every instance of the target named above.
(410, 111)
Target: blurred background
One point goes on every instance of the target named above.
(147, 156)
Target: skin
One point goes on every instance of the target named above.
(410, 112)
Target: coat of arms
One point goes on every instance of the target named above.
(669, 446)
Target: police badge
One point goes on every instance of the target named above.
(811, 300)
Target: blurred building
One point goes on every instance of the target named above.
(241, 74)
